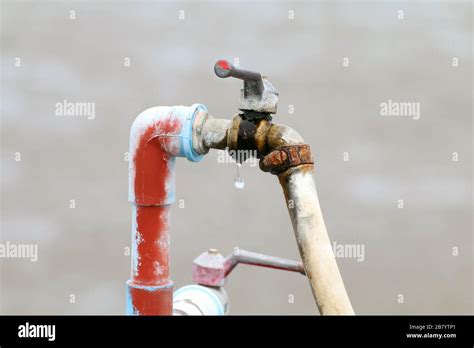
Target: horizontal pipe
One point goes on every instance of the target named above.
(209, 133)
(256, 259)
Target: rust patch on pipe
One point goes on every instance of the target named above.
(274, 137)
(285, 157)
(247, 136)
(233, 133)
(253, 136)
(261, 133)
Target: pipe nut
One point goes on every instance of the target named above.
(284, 157)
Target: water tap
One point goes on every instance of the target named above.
(258, 97)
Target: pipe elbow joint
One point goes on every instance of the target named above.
(159, 135)
(281, 135)
(174, 124)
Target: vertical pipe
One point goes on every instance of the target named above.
(158, 135)
(152, 245)
(150, 287)
(313, 241)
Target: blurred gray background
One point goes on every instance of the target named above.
(408, 251)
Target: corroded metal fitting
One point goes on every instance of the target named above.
(245, 136)
(284, 157)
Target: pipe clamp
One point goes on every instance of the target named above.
(284, 157)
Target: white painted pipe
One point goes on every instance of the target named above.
(313, 241)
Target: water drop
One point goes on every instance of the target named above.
(238, 181)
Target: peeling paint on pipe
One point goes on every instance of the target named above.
(157, 137)
(313, 241)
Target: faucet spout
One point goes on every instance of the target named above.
(282, 152)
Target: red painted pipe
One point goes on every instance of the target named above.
(151, 290)
(158, 135)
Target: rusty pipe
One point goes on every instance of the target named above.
(282, 151)
(238, 134)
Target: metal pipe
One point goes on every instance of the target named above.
(209, 133)
(313, 242)
(305, 212)
(158, 135)
(256, 259)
